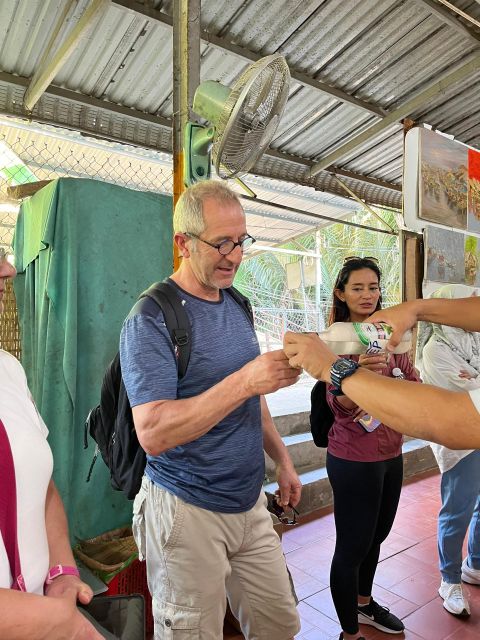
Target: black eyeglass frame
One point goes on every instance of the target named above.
(224, 243)
(279, 512)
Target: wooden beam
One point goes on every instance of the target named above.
(44, 74)
(21, 191)
(405, 109)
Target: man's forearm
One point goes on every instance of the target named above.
(273, 444)
(164, 425)
(422, 411)
(463, 313)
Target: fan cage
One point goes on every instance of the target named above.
(250, 116)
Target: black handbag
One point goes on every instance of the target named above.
(321, 416)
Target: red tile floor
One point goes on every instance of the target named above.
(406, 581)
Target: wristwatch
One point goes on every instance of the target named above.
(61, 570)
(341, 369)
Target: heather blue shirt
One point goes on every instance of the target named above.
(223, 470)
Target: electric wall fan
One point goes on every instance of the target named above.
(244, 118)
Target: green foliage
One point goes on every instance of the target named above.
(263, 277)
(471, 244)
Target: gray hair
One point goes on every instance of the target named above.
(188, 215)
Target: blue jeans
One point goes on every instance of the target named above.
(460, 489)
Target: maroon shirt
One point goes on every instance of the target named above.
(349, 440)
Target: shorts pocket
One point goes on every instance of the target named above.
(169, 514)
(138, 521)
(175, 622)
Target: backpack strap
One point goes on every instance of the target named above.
(176, 320)
(243, 301)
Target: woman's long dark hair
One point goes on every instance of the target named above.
(339, 311)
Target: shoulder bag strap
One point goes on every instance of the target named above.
(8, 510)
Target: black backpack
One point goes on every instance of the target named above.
(110, 423)
(321, 416)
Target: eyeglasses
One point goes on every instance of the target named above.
(279, 512)
(227, 246)
(360, 259)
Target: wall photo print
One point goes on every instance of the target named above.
(471, 260)
(473, 219)
(444, 255)
(443, 181)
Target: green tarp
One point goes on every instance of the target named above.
(84, 251)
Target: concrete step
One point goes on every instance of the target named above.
(317, 493)
(303, 452)
(293, 423)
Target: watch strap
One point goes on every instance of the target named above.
(61, 570)
(338, 375)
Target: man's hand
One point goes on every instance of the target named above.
(289, 486)
(376, 363)
(70, 587)
(269, 372)
(401, 318)
(307, 351)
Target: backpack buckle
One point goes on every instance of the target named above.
(180, 337)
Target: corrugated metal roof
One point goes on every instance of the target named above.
(379, 52)
(51, 153)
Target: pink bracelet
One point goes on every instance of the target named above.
(61, 570)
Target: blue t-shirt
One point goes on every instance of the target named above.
(223, 470)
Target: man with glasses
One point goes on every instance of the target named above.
(200, 518)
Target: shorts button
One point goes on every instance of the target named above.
(168, 622)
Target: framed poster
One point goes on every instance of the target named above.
(444, 255)
(443, 180)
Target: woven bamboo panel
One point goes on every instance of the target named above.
(9, 330)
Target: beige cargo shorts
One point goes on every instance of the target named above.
(196, 559)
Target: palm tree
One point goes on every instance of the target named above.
(263, 277)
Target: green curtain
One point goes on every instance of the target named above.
(84, 251)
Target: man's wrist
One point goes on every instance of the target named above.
(284, 461)
(326, 374)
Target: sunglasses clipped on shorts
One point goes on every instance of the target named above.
(279, 512)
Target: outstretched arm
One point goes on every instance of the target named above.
(447, 417)
(462, 312)
(165, 424)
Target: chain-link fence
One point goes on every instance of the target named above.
(32, 155)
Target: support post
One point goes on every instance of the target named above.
(186, 77)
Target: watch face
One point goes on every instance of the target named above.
(343, 366)
(341, 369)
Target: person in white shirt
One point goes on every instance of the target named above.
(451, 418)
(449, 357)
(47, 607)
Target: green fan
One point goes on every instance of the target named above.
(244, 119)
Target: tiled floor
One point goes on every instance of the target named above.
(406, 581)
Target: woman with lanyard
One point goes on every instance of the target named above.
(364, 465)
